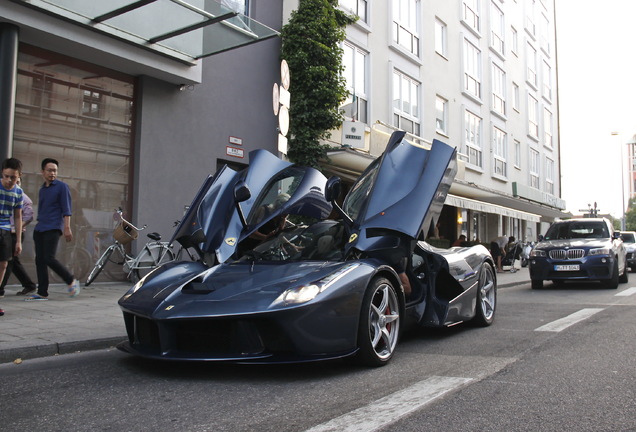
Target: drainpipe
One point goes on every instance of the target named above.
(8, 85)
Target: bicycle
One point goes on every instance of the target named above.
(154, 253)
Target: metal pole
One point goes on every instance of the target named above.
(8, 85)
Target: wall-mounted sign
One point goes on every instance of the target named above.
(236, 141)
(353, 134)
(233, 151)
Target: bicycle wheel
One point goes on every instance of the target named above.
(152, 256)
(99, 265)
(78, 261)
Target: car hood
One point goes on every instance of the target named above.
(402, 192)
(216, 223)
(574, 244)
(186, 290)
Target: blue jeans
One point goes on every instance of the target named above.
(45, 249)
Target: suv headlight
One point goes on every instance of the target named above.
(537, 253)
(599, 251)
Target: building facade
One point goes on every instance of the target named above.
(138, 101)
(479, 75)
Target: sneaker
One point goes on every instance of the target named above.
(74, 288)
(35, 297)
(25, 291)
(1, 294)
(1, 312)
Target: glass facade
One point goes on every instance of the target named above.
(82, 116)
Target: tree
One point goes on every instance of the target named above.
(630, 215)
(311, 46)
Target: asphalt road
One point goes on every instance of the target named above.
(529, 371)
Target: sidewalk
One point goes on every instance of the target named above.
(90, 321)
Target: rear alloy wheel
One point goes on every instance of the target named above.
(379, 323)
(486, 297)
(536, 284)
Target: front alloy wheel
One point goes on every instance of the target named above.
(379, 323)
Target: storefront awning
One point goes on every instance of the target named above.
(470, 204)
(183, 30)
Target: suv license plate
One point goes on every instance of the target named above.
(568, 267)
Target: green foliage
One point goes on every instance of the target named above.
(311, 46)
(630, 215)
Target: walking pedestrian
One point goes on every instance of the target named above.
(15, 266)
(54, 220)
(10, 205)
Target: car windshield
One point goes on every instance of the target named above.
(319, 241)
(577, 230)
(628, 238)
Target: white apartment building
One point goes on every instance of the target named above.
(477, 74)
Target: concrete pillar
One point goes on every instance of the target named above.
(8, 85)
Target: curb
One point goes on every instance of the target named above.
(55, 348)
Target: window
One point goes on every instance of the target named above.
(547, 128)
(357, 7)
(441, 115)
(91, 106)
(534, 168)
(440, 37)
(498, 90)
(531, 60)
(354, 61)
(547, 81)
(240, 6)
(470, 14)
(41, 93)
(472, 139)
(545, 33)
(533, 125)
(472, 69)
(406, 93)
(515, 40)
(531, 27)
(500, 152)
(517, 145)
(406, 25)
(515, 97)
(549, 176)
(497, 29)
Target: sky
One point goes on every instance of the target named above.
(596, 44)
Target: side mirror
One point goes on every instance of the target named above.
(616, 235)
(540, 237)
(332, 189)
(241, 192)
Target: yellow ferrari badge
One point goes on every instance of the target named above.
(353, 237)
(231, 241)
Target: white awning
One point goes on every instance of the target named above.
(470, 204)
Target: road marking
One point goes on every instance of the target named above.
(390, 408)
(627, 292)
(563, 323)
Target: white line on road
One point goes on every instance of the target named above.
(627, 292)
(563, 323)
(390, 408)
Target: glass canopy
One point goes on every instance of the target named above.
(182, 30)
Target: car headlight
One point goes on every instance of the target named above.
(599, 251)
(537, 253)
(307, 292)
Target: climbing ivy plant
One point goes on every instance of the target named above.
(311, 46)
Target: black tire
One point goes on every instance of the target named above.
(486, 297)
(624, 278)
(379, 327)
(613, 282)
(536, 284)
(524, 262)
(153, 256)
(99, 265)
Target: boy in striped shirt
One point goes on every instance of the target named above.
(10, 205)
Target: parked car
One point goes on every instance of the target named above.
(579, 250)
(318, 288)
(629, 239)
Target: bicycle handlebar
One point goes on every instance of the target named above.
(121, 216)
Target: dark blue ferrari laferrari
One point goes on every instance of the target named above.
(287, 274)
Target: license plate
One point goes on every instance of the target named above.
(568, 267)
